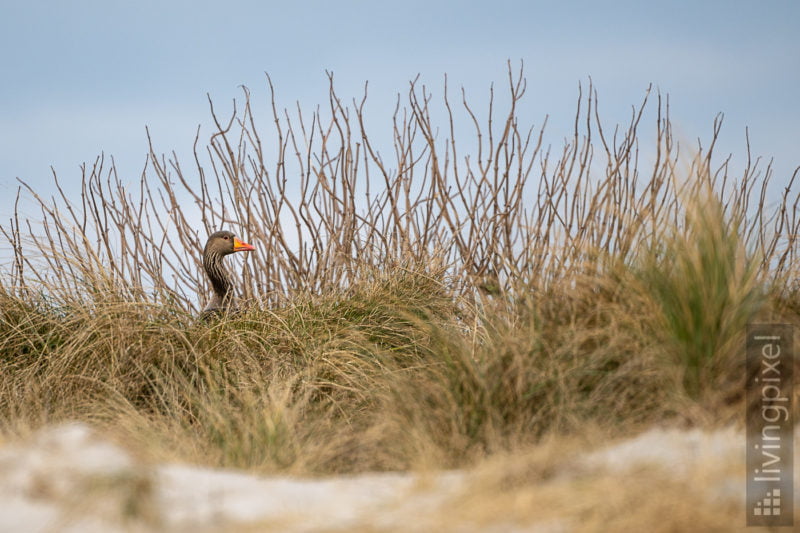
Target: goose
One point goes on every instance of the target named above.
(220, 244)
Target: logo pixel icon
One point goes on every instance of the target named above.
(770, 505)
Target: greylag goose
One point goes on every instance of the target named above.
(219, 245)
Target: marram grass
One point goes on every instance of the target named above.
(705, 288)
(395, 372)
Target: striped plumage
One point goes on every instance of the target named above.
(218, 246)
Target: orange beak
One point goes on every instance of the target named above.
(241, 246)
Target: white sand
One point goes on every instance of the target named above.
(68, 478)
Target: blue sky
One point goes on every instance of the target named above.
(82, 77)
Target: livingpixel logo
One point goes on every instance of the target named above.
(770, 425)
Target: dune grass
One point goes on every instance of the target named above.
(425, 312)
